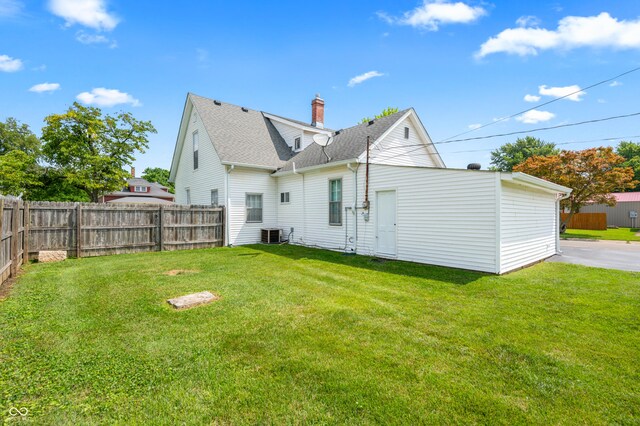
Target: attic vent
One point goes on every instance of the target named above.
(371, 122)
(245, 109)
(338, 132)
(217, 102)
(474, 166)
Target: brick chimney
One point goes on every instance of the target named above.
(317, 112)
(133, 172)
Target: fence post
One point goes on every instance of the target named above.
(161, 227)
(14, 240)
(25, 234)
(79, 231)
(224, 226)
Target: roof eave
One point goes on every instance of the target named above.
(316, 167)
(529, 180)
(248, 166)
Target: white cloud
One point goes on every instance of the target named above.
(615, 83)
(474, 126)
(531, 98)
(602, 101)
(89, 13)
(107, 98)
(10, 7)
(45, 87)
(364, 77)
(535, 116)
(528, 21)
(9, 64)
(558, 92)
(601, 31)
(431, 14)
(85, 38)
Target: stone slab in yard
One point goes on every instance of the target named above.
(46, 256)
(191, 300)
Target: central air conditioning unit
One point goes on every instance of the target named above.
(271, 235)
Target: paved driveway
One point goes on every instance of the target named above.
(601, 254)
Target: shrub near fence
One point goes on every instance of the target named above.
(593, 221)
(85, 229)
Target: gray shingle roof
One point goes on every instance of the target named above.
(302, 123)
(350, 143)
(244, 137)
(156, 189)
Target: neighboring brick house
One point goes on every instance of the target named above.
(140, 190)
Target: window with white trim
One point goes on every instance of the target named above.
(406, 133)
(254, 208)
(284, 197)
(188, 191)
(196, 143)
(297, 143)
(214, 197)
(335, 202)
(139, 189)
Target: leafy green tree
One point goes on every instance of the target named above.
(16, 136)
(56, 188)
(159, 175)
(384, 113)
(631, 153)
(510, 155)
(91, 150)
(18, 173)
(19, 153)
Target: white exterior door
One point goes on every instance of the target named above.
(386, 223)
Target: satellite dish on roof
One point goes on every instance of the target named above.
(322, 139)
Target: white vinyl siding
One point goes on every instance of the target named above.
(291, 215)
(288, 133)
(444, 217)
(395, 149)
(244, 181)
(211, 173)
(528, 226)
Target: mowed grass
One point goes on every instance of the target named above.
(308, 336)
(620, 234)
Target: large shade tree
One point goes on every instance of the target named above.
(91, 150)
(593, 174)
(510, 155)
(159, 175)
(19, 154)
(631, 153)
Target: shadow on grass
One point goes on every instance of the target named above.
(397, 267)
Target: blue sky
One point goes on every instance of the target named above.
(459, 64)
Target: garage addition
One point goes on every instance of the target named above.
(378, 188)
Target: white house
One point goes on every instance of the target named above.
(269, 173)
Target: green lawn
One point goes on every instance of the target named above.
(621, 234)
(308, 336)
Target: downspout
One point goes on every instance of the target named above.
(355, 206)
(227, 215)
(365, 204)
(558, 219)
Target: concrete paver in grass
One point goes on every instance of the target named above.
(192, 300)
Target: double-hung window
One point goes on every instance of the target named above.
(196, 141)
(254, 208)
(335, 202)
(296, 144)
(214, 197)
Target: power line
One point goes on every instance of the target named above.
(542, 104)
(417, 147)
(540, 129)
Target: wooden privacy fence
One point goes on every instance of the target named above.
(594, 221)
(85, 229)
(13, 243)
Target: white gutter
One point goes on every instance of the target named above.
(247, 165)
(529, 180)
(228, 203)
(319, 166)
(354, 209)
